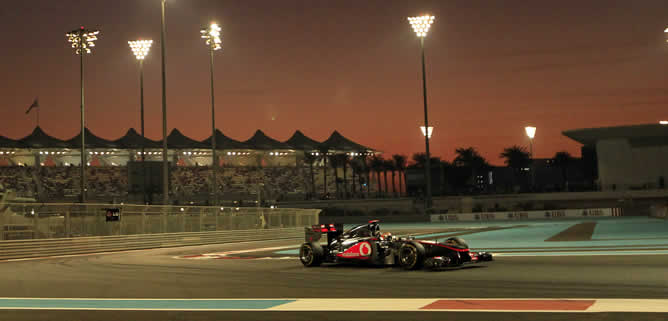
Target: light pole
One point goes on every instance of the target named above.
(140, 49)
(82, 41)
(421, 27)
(212, 39)
(531, 133)
(165, 163)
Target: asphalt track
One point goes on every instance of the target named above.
(165, 273)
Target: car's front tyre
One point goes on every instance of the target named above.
(411, 256)
(311, 254)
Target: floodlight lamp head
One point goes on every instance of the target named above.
(427, 132)
(531, 131)
(212, 36)
(82, 40)
(421, 24)
(140, 48)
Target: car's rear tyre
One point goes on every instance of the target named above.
(311, 254)
(411, 256)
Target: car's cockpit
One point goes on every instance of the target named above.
(365, 230)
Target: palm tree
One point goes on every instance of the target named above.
(517, 158)
(419, 160)
(367, 172)
(376, 164)
(400, 165)
(389, 166)
(470, 159)
(310, 158)
(562, 160)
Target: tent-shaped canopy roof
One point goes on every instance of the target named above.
(299, 141)
(39, 139)
(337, 142)
(10, 143)
(91, 141)
(261, 141)
(132, 140)
(176, 140)
(224, 142)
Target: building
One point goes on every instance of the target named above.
(47, 168)
(627, 157)
(42, 149)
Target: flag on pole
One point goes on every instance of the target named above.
(35, 104)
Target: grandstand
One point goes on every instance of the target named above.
(46, 168)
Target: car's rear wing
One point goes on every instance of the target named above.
(315, 232)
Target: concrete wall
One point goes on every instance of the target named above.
(633, 202)
(615, 164)
(649, 164)
(622, 165)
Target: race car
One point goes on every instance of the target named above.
(366, 244)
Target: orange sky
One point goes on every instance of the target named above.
(351, 66)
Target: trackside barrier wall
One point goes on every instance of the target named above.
(527, 215)
(20, 221)
(659, 211)
(19, 249)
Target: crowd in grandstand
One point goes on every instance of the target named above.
(107, 184)
(18, 179)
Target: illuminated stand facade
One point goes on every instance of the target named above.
(258, 151)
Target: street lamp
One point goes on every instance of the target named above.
(140, 48)
(427, 133)
(531, 133)
(83, 41)
(211, 36)
(421, 27)
(165, 163)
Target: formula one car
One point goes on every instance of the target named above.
(365, 244)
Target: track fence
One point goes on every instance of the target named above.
(21, 221)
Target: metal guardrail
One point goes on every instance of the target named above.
(47, 221)
(18, 249)
(31, 230)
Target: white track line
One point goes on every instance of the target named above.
(351, 304)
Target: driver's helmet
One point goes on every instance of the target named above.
(456, 242)
(375, 229)
(386, 236)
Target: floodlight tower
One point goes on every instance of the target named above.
(165, 162)
(82, 41)
(531, 133)
(211, 35)
(140, 49)
(421, 27)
